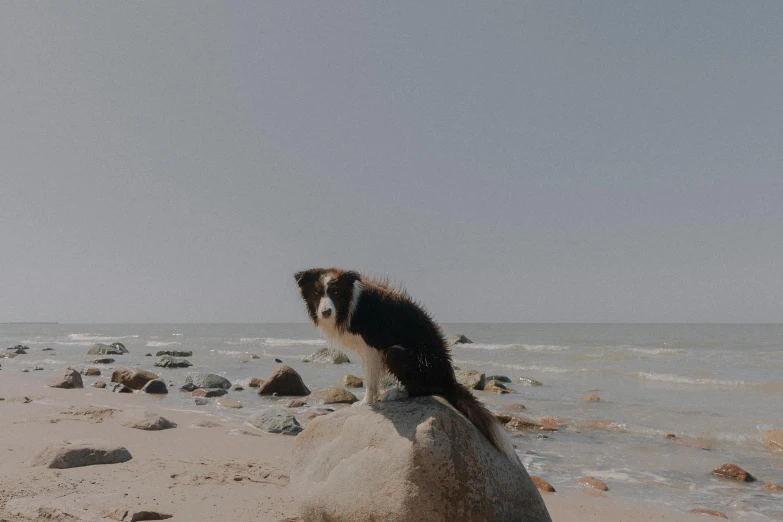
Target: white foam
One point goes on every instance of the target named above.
(678, 379)
(157, 344)
(657, 351)
(271, 341)
(97, 338)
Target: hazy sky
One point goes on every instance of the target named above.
(525, 161)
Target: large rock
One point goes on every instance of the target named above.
(133, 378)
(284, 381)
(409, 460)
(66, 378)
(274, 419)
(773, 439)
(207, 380)
(328, 356)
(81, 453)
(156, 387)
(167, 361)
(108, 349)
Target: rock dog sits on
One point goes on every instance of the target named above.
(392, 333)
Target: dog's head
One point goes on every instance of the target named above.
(328, 294)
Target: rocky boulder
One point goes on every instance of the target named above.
(108, 349)
(284, 380)
(207, 380)
(167, 361)
(417, 459)
(81, 453)
(66, 378)
(328, 356)
(333, 396)
(146, 420)
(133, 378)
(471, 379)
(274, 419)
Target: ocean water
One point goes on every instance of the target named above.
(711, 385)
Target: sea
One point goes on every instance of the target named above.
(676, 400)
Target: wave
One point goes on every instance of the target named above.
(97, 338)
(657, 351)
(678, 379)
(520, 367)
(157, 344)
(526, 347)
(272, 341)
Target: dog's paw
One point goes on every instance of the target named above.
(395, 394)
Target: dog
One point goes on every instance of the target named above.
(392, 334)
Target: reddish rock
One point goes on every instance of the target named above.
(594, 483)
(255, 382)
(133, 378)
(773, 439)
(771, 486)
(208, 392)
(333, 396)
(284, 380)
(733, 471)
(542, 484)
(90, 372)
(297, 403)
(591, 398)
(551, 422)
(710, 512)
(512, 422)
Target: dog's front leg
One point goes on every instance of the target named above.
(372, 363)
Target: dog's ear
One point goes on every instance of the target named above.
(349, 277)
(307, 278)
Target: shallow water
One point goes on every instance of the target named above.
(717, 386)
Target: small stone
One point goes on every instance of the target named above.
(542, 484)
(733, 471)
(188, 387)
(108, 349)
(147, 355)
(198, 401)
(81, 453)
(273, 419)
(771, 486)
(255, 382)
(156, 387)
(773, 439)
(278, 361)
(526, 381)
(237, 387)
(328, 356)
(167, 361)
(351, 381)
(175, 353)
(133, 378)
(254, 356)
(119, 388)
(66, 378)
(457, 339)
(333, 396)
(710, 512)
(594, 483)
(208, 380)
(90, 372)
(226, 402)
(551, 422)
(147, 421)
(591, 398)
(296, 403)
(103, 360)
(98, 384)
(209, 392)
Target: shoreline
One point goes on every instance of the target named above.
(227, 471)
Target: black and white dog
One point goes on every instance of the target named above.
(392, 333)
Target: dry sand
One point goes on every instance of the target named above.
(224, 472)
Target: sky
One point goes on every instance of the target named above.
(516, 161)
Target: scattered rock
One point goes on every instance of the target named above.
(206, 424)
(733, 471)
(551, 422)
(133, 378)
(103, 360)
(296, 403)
(771, 486)
(81, 453)
(208, 392)
(37, 368)
(98, 384)
(541, 484)
(66, 378)
(284, 381)
(175, 353)
(198, 401)
(457, 339)
(351, 381)
(498, 387)
(188, 387)
(167, 361)
(591, 398)
(470, 379)
(116, 387)
(526, 381)
(255, 382)
(512, 422)
(273, 419)
(155, 386)
(499, 378)
(333, 396)
(208, 380)
(237, 388)
(146, 420)
(254, 356)
(91, 372)
(407, 460)
(328, 356)
(48, 350)
(592, 482)
(226, 402)
(108, 349)
(773, 439)
(710, 512)
(147, 355)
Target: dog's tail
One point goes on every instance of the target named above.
(468, 405)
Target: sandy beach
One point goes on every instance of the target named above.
(204, 469)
